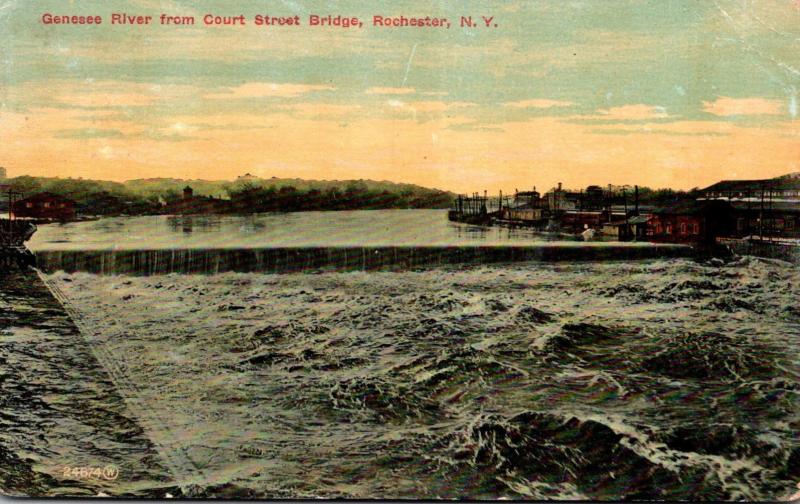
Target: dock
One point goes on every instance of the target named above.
(784, 250)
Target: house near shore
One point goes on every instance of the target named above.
(44, 206)
(527, 207)
(780, 219)
(579, 220)
(767, 207)
(559, 199)
(690, 222)
(523, 213)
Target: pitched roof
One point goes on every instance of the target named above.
(785, 182)
(45, 196)
(779, 206)
(692, 207)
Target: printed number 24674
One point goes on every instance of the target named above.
(108, 472)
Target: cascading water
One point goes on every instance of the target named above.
(299, 259)
(655, 379)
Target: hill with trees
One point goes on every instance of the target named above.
(247, 194)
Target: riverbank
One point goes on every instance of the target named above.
(59, 411)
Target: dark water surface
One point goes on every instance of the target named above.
(661, 379)
(59, 409)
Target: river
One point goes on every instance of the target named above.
(642, 379)
(299, 229)
(659, 379)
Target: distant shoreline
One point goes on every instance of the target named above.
(245, 195)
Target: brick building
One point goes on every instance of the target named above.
(45, 206)
(691, 222)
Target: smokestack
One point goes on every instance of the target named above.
(559, 186)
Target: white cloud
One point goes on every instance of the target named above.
(635, 112)
(725, 106)
(390, 90)
(267, 90)
(538, 103)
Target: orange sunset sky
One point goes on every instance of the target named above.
(664, 94)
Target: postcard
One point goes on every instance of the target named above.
(482, 250)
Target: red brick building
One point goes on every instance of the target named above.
(690, 222)
(45, 206)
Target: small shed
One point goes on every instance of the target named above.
(579, 220)
(619, 230)
(638, 225)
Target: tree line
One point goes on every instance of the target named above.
(157, 196)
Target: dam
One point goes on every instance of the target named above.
(391, 240)
(309, 259)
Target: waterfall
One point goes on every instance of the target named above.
(303, 259)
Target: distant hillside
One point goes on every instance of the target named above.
(244, 195)
(222, 188)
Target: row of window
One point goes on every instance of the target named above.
(742, 224)
(755, 194)
(46, 204)
(685, 229)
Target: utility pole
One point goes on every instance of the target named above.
(761, 216)
(625, 205)
(747, 211)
